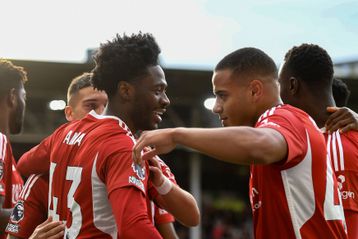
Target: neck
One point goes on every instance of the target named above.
(119, 110)
(4, 123)
(268, 104)
(315, 104)
(318, 110)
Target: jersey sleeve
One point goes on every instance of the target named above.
(3, 153)
(31, 208)
(291, 128)
(131, 214)
(115, 166)
(161, 216)
(36, 160)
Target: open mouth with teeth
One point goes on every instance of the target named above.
(158, 116)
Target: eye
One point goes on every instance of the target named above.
(159, 90)
(221, 96)
(91, 106)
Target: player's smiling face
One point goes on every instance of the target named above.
(232, 102)
(151, 100)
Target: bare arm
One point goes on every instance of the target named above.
(167, 231)
(176, 199)
(239, 145)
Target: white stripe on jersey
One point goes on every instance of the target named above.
(334, 149)
(23, 191)
(120, 123)
(152, 209)
(299, 191)
(329, 147)
(28, 185)
(1, 146)
(3, 143)
(103, 217)
(268, 112)
(340, 147)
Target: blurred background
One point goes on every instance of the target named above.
(55, 40)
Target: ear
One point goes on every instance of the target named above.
(12, 98)
(293, 85)
(256, 90)
(125, 90)
(69, 113)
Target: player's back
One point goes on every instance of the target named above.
(300, 193)
(78, 175)
(343, 151)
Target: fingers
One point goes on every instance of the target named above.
(49, 229)
(332, 109)
(338, 123)
(149, 155)
(157, 176)
(332, 119)
(153, 161)
(137, 154)
(336, 117)
(56, 232)
(154, 170)
(347, 128)
(49, 226)
(49, 219)
(137, 150)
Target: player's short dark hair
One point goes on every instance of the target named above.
(341, 92)
(78, 83)
(125, 58)
(311, 63)
(249, 61)
(10, 76)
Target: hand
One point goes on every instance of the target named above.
(49, 230)
(161, 141)
(343, 118)
(156, 174)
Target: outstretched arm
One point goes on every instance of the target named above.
(341, 118)
(239, 145)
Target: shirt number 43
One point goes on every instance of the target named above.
(72, 174)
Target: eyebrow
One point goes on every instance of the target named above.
(91, 100)
(219, 92)
(162, 85)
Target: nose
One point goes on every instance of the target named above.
(164, 100)
(217, 109)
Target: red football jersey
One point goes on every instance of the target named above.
(10, 180)
(37, 160)
(343, 151)
(31, 207)
(298, 197)
(94, 185)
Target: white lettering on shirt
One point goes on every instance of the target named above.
(75, 138)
